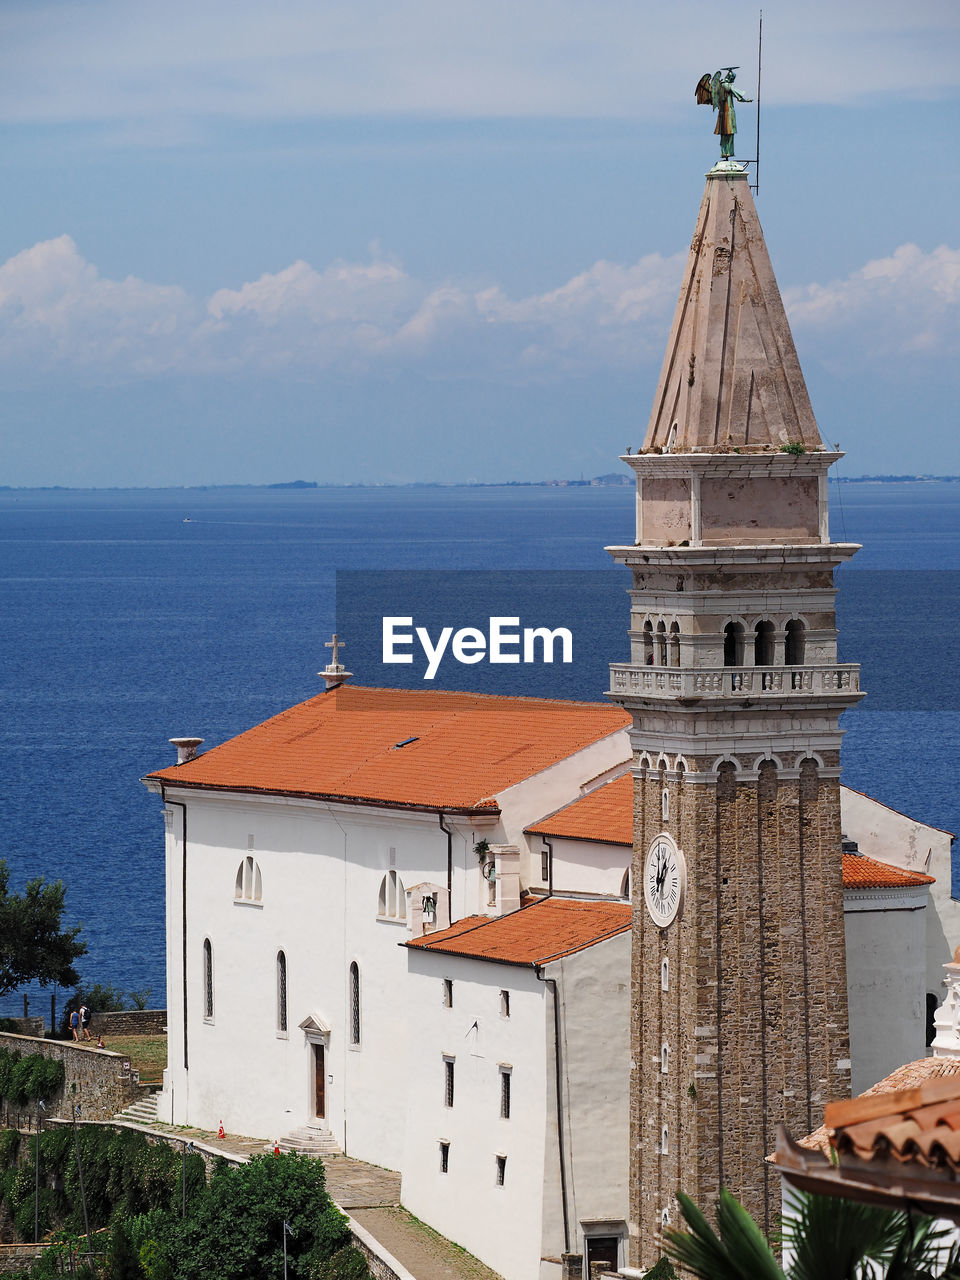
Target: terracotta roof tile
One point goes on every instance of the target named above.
(604, 815)
(546, 930)
(861, 872)
(461, 749)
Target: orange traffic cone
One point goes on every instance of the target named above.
(220, 1133)
(276, 1149)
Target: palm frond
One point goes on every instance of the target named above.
(739, 1253)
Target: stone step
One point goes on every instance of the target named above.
(143, 1111)
(309, 1142)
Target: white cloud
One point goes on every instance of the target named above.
(58, 314)
(113, 60)
(908, 302)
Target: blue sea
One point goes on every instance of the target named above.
(131, 617)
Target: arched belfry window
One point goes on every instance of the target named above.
(354, 1003)
(249, 883)
(281, 991)
(207, 979)
(794, 643)
(392, 903)
(763, 644)
(662, 644)
(674, 644)
(733, 645)
(648, 643)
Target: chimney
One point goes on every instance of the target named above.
(186, 748)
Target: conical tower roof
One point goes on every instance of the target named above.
(730, 377)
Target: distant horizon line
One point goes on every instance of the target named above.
(611, 480)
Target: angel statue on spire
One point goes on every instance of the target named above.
(718, 91)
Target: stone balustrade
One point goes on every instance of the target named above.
(841, 679)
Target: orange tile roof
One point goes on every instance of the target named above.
(606, 816)
(920, 1125)
(546, 930)
(462, 749)
(861, 872)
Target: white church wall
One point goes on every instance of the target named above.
(321, 869)
(587, 866)
(594, 992)
(886, 976)
(892, 837)
(499, 1224)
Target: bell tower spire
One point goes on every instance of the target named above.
(739, 1005)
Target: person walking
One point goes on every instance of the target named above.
(84, 1022)
(75, 1024)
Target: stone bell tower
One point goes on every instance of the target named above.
(739, 1006)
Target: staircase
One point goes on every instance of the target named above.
(143, 1111)
(309, 1142)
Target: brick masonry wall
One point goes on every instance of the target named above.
(92, 1077)
(755, 1016)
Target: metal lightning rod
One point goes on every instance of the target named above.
(756, 172)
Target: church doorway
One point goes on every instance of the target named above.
(320, 1078)
(602, 1249)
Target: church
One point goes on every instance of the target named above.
(557, 961)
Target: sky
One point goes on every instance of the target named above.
(388, 241)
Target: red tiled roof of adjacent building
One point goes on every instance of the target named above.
(606, 816)
(546, 930)
(409, 748)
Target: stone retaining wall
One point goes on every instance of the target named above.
(94, 1078)
(19, 1257)
(383, 1265)
(130, 1022)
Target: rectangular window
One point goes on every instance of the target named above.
(504, 1004)
(448, 993)
(501, 1170)
(505, 1093)
(448, 1082)
(545, 866)
(444, 1157)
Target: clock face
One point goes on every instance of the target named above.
(664, 881)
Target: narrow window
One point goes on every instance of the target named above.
(248, 878)
(248, 886)
(354, 1003)
(505, 1074)
(444, 1157)
(504, 1004)
(665, 805)
(238, 889)
(501, 1170)
(665, 1058)
(392, 901)
(281, 991)
(793, 643)
(544, 866)
(675, 644)
(665, 1218)
(207, 978)
(257, 883)
(448, 993)
(763, 644)
(448, 1082)
(664, 1141)
(648, 643)
(664, 975)
(733, 645)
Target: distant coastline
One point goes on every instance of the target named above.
(612, 479)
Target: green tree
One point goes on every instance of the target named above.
(33, 946)
(829, 1238)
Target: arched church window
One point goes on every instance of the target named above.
(281, 991)
(662, 644)
(392, 903)
(794, 643)
(207, 979)
(763, 644)
(648, 643)
(625, 884)
(733, 645)
(674, 644)
(249, 882)
(665, 1058)
(354, 1003)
